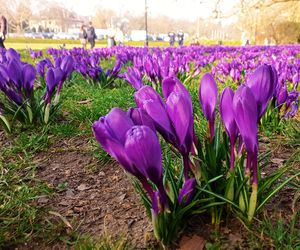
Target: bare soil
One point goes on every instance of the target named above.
(91, 199)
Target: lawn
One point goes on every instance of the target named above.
(41, 44)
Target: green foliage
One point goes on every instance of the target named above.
(19, 188)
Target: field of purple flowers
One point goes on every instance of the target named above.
(146, 148)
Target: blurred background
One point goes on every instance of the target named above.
(233, 22)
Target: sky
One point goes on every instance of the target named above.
(181, 9)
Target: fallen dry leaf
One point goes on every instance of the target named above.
(85, 101)
(82, 187)
(194, 243)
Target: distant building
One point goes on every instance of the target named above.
(50, 25)
(61, 21)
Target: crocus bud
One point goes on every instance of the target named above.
(110, 131)
(245, 113)
(150, 101)
(186, 193)
(140, 117)
(143, 149)
(262, 84)
(180, 111)
(227, 115)
(133, 76)
(208, 96)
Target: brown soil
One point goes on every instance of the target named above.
(93, 200)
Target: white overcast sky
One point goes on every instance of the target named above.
(188, 9)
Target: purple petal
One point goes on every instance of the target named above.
(227, 114)
(140, 117)
(143, 149)
(208, 96)
(245, 111)
(187, 191)
(150, 101)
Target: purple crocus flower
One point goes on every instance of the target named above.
(14, 70)
(133, 76)
(29, 76)
(245, 112)
(292, 103)
(115, 70)
(296, 78)
(12, 54)
(187, 191)
(173, 120)
(110, 131)
(143, 150)
(262, 84)
(150, 101)
(67, 66)
(227, 115)
(208, 97)
(53, 77)
(40, 66)
(140, 117)
(180, 111)
(135, 147)
(281, 96)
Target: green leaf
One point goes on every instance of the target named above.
(276, 190)
(220, 197)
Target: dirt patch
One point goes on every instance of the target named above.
(93, 200)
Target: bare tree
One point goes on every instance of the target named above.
(17, 13)
(104, 18)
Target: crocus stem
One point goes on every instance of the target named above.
(248, 168)
(230, 186)
(240, 146)
(47, 113)
(252, 204)
(254, 169)
(253, 197)
(30, 115)
(163, 196)
(186, 166)
(231, 156)
(56, 99)
(242, 204)
(155, 224)
(147, 187)
(211, 129)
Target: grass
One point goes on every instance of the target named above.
(39, 44)
(22, 220)
(19, 188)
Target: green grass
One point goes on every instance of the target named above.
(105, 242)
(19, 188)
(39, 44)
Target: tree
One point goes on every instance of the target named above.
(104, 18)
(17, 13)
(277, 20)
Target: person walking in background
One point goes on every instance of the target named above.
(83, 36)
(171, 38)
(91, 35)
(180, 36)
(3, 31)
